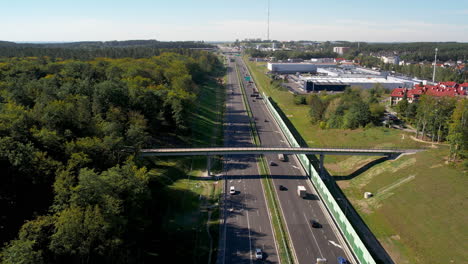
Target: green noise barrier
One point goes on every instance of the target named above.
(358, 248)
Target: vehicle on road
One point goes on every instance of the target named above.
(272, 163)
(315, 224)
(266, 120)
(321, 261)
(282, 188)
(258, 253)
(301, 191)
(232, 190)
(253, 100)
(281, 157)
(342, 260)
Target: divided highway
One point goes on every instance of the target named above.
(308, 243)
(246, 219)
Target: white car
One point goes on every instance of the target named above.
(232, 190)
(258, 253)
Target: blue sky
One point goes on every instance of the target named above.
(209, 20)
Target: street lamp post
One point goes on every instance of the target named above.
(435, 64)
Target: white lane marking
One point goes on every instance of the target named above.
(335, 244)
(311, 231)
(250, 238)
(295, 167)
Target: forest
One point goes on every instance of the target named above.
(435, 119)
(416, 70)
(414, 51)
(72, 189)
(351, 109)
(439, 119)
(89, 50)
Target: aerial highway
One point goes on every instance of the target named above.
(246, 220)
(308, 243)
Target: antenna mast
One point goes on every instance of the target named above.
(268, 22)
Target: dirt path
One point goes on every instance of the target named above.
(428, 142)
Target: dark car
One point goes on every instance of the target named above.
(342, 260)
(266, 120)
(282, 188)
(315, 224)
(272, 163)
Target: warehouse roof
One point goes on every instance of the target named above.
(347, 80)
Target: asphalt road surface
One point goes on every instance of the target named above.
(309, 243)
(247, 222)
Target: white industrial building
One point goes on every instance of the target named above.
(391, 59)
(340, 50)
(317, 83)
(292, 67)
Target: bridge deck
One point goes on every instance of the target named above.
(265, 150)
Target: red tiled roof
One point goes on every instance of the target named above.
(442, 89)
(448, 83)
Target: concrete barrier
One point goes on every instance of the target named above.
(358, 248)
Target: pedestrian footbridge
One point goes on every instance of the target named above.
(216, 151)
(210, 151)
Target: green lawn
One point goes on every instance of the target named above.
(418, 212)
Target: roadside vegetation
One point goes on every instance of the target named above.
(72, 187)
(417, 209)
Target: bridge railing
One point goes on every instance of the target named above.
(353, 239)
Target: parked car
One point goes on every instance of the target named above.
(282, 188)
(272, 163)
(232, 190)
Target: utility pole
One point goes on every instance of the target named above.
(435, 64)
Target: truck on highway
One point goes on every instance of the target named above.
(321, 261)
(301, 191)
(281, 157)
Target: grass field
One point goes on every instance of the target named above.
(192, 217)
(418, 212)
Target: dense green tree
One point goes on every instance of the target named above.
(458, 131)
(317, 108)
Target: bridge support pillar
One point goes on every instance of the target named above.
(208, 166)
(322, 168)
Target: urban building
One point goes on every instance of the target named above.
(451, 89)
(391, 59)
(318, 83)
(292, 67)
(340, 50)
